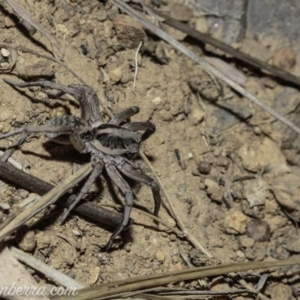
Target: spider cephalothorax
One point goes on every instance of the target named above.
(110, 144)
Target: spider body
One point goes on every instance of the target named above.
(109, 144)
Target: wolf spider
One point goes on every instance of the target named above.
(110, 144)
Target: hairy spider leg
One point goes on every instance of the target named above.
(97, 170)
(120, 182)
(29, 129)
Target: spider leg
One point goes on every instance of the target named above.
(26, 130)
(123, 115)
(98, 168)
(120, 182)
(127, 170)
(147, 127)
(85, 95)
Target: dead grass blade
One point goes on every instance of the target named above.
(205, 65)
(51, 273)
(154, 280)
(14, 275)
(26, 17)
(171, 209)
(48, 199)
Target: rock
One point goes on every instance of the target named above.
(4, 206)
(180, 12)
(246, 242)
(28, 241)
(129, 32)
(285, 58)
(222, 161)
(235, 222)
(286, 191)
(255, 192)
(115, 74)
(204, 167)
(160, 256)
(256, 155)
(197, 116)
(5, 52)
(281, 291)
(9, 22)
(156, 100)
(258, 230)
(293, 244)
(43, 240)
(202, 25)
(213, 190)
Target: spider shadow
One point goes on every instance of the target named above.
(47, 102)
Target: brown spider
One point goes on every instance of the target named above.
(108, 143)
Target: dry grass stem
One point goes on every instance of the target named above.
(151, 216)
(171, 209)
(51, 273)
(25, 214)
(149, 281)
(14, 274)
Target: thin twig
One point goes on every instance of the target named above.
(13, 162)
(36, 185)
(171, 209)
(159, 279)
(44, 202)
(151, 216)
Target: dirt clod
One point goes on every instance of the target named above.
(235, 222)
(129, 32)
(28, 242)
(258, 230)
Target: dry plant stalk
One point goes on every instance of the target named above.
(13, 274)
(44, 202)
(51, 273)
(117, 288)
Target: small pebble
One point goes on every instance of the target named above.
(204, 167)
(180, 12)
(76, 232)
(160, 256)
(28, 241)
(281, 291)
(4, 206)
(197, 116)
(293, 244)
(222, 161)
(217, 151)
(5, 52)
(258, 230)
(115, 74)
(285, 58)
(246, 242)
(9, 22)
(156, 100)
(235, 222)
(172, 237)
